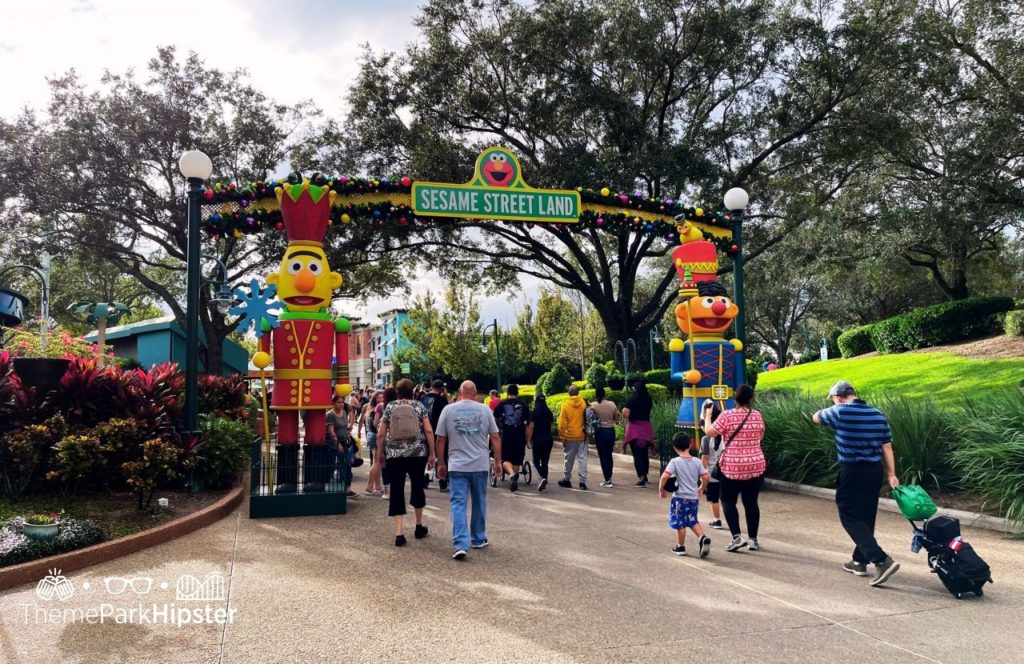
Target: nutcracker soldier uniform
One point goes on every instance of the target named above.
(307, 341)
(706, 362)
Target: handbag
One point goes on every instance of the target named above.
(717, 473)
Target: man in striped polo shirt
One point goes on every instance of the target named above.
(863, 441)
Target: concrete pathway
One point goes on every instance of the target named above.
(571, 576)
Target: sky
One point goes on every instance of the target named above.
(296, 50)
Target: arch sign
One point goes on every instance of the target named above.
(497, 191)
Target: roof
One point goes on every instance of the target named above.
(144, 327)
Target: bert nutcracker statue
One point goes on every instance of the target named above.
(706, 362)
(307, 340)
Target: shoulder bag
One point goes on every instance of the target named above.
(717, 473)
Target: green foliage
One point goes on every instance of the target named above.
(224, 451)
(940, 324)
(658, 392)
(223, 396)
(1013, 325)
(558, 380)
(60, 343)
(25, 454)
(856, 341)
(989, 454)
(542, 380)
(944, 378)
(751, 373)
(659, 376)
(158, 462)
(15, 547)
(596, 376)
(80, 462)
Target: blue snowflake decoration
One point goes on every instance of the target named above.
(256, 307)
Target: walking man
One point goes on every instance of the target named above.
(463, 433)
(512, 416)
(863, 442)
(572, 431)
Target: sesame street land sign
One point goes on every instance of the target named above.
(497, 191)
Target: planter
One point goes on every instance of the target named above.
(46, 531)
(42, 372)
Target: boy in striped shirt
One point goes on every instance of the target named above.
(863, 441)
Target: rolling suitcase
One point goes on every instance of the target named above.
(962, 570)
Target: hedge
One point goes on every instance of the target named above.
(856, 341)
(940, 324)
(1014, 323)
(659, 376)
(658, 393)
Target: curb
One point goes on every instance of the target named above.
(33, 570)
(969, 519)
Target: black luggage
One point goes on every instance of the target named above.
(962, 571)
(942, 529)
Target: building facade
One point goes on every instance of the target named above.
(360, 366)
(386, 339)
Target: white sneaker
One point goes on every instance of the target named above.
(753, 545)
(459, 555)
(607, 484)
(736, 544)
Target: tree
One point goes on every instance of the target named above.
(100, 169)
(444, 339)
(654, 97)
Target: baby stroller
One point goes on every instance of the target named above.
(960, 569)
(525, 473)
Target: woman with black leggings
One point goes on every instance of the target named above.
(408, 451)
(538, 436)
(742, 465)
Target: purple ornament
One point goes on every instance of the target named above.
(624, 198)
(250, 221)
(600, 221)
(668, 201)
(243, 203)
(343, 180)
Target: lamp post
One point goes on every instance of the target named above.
(44, 305)
(196, 167)
(497, 350)
(736, 200)
(625, 348)
(652, 338)
(223, 297)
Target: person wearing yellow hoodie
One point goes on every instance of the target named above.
(572, 431)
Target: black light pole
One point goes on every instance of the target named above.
(196, 167)
(736, 200)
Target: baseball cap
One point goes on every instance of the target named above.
(842, 388)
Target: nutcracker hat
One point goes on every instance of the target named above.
(699, 257)
(306, 209)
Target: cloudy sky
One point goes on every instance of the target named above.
(302, 49)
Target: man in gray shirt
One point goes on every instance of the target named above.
(465, 428)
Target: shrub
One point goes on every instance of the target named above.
(659, 376)
(542, 382)
(751, 372)
(224, 451)
(940, 324)
(80, 463)
(73, 534)
(25, 455)
(558, 380)
(60, 343)
(989, 454)
(223, 396)
(856, 341)
(658, 392)
(158, 463)
(1013, 325)
(597, 376)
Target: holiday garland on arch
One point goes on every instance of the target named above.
(239, 210)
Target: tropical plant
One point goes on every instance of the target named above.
(25, 454)
(989, 451)
(60, 343)
(224, 451)
(158, 463)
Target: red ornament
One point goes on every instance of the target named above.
(406, 181)
(208, 194)
(279, 225)
(402, 221)
(232, 186)
(734, 249)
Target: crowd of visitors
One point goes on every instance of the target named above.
(412, 431)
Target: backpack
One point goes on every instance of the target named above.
(511, 416)
(962, 570)
(591, 420)
(404, 423)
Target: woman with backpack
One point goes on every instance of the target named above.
(540, 439)
(604, 434)
(408, 451)
(741, 465)
(639, 430)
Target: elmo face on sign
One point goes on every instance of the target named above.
(498, 168)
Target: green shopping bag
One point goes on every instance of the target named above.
(914, 502)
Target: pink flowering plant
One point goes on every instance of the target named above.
(60, 343)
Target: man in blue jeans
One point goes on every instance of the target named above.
(464, 430)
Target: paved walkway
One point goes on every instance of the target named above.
(571, 576)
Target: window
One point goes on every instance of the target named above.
(359, 348)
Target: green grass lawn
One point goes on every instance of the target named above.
(943, 377)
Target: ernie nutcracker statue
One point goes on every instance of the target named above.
(705, 362)
(307, 341)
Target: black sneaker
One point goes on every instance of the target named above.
(679, 550)
(856, 568)
(481, 545)
(583, 486)
(400, 540)
(884, 571)
(459, 555)
(716, 524)
(514, 484)
(705, 547)
(442, 486)
(565, 484)
(542, 486)
(421, 531)
(641, 484)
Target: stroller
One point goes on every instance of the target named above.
(960, 569)
(525, 472)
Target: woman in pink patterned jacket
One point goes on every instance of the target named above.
(742, 465)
